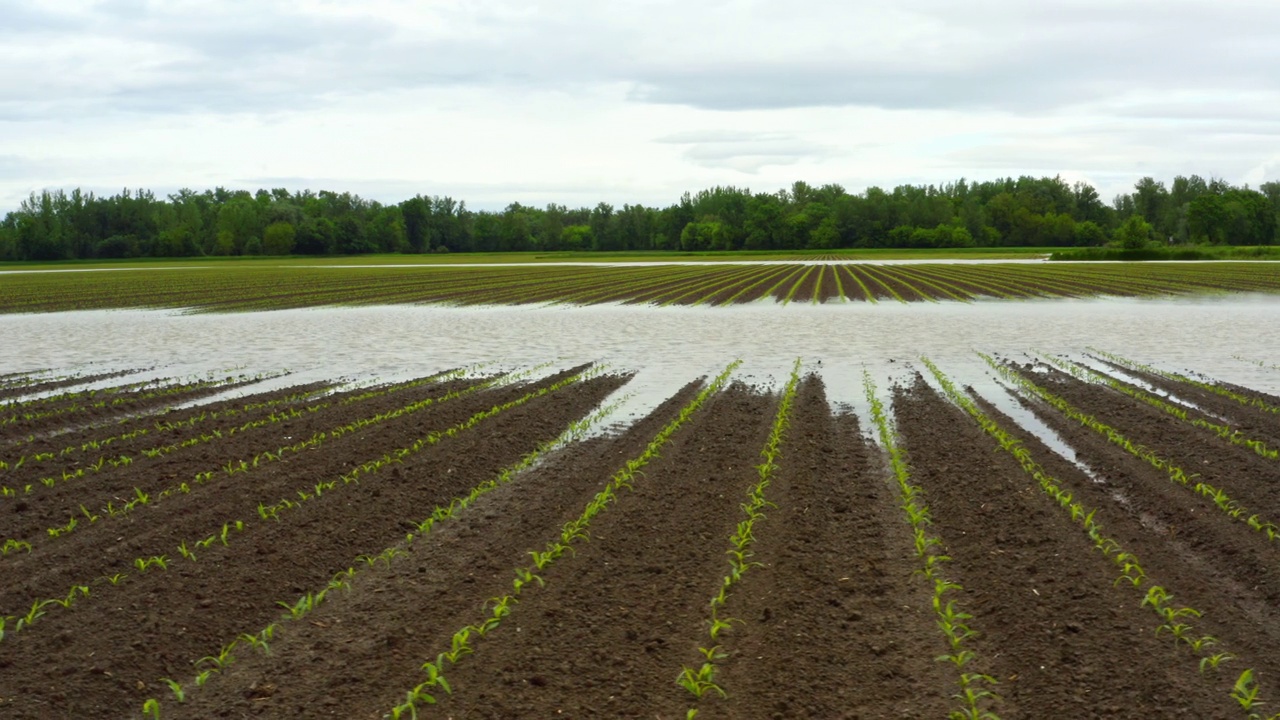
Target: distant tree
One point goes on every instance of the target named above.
(352, 238)
(225, 243)
(279, 238)
(315, 237)
(576, 237)
(1088, 233)
(1134, 234)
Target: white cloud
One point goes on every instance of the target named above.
(496, 100)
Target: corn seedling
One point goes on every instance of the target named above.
(178, 692)
(1213, 661)
(948, 617)
(701, 681)
(1246, 691)
(1155, 597)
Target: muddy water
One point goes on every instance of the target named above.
(667, 346)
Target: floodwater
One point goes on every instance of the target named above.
(667, 346)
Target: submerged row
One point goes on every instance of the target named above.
(232, 287)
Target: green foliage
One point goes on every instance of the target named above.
(1134, 234)
(1008, 212)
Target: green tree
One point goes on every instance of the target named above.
(576, 237)
(278, 238)
(1134, 234)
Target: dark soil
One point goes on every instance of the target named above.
(103, 407)
(1243, 474)
(1251, 420)
(151, 627)
(77, 447)
(834, 615)
(19, 386)
(617, 620)
(1211, 562)
(833, 623)
(1054, 630)
(358, 654)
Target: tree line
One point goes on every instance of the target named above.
(1027, 211)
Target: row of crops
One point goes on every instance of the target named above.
(1086, 534)
(261, 288)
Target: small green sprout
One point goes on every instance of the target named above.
(178, 692)
(700, 681)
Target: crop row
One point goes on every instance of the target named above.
(462, 642)
(1174, 619)
(1216, 388)
(260, 288)
(975, 696)
(958, 495)
(116, 399)
(141, 499)
(700, 681)
(1224, 432)
(114, 576)
(305, 604)
(1219, 496)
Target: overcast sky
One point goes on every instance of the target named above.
(578, 102)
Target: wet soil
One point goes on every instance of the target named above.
(1053, 629)
(357, 654)
(105, 655)
(834, 612)
(832, 623)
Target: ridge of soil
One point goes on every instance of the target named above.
(360, 652)
(835, 615)
(106, 654)
(616, 620)
(1053, 629)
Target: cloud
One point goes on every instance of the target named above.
(1007, 55)
(634, 101)
(745, 152)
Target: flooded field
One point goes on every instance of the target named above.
(540, 511)
(666, 346)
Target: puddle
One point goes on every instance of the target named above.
(1118, 374)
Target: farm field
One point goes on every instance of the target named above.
(256, 286)
(1012, 535)
(471, 258)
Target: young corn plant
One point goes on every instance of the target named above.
(576, 529)
(974, 696)
(1156, 597)
(699, 681)
(1220, 499)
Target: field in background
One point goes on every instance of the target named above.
(1020, 253)
(257, 286)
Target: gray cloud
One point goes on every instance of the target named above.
(235, 56)
(1105, 90)
(744, 151)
